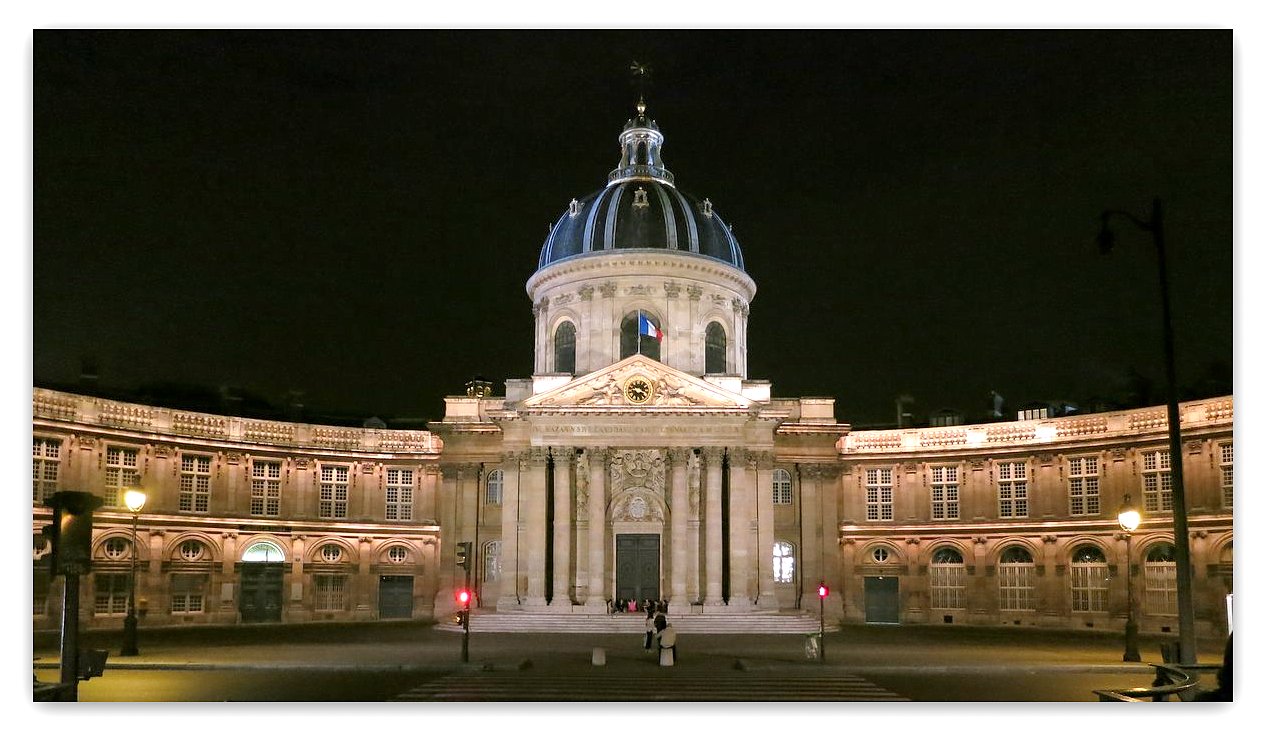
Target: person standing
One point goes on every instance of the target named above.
(667, 641)
(648, 643)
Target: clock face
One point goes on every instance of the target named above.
(637, 390)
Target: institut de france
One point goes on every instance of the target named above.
(637, 461)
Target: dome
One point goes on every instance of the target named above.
(640, 208)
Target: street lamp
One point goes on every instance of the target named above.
(134, 499)
(1182, 544)
(1128, 518)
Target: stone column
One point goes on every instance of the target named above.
(563, 458)
(449, 536)
(365, 589)
(509, 596)
(740, 530)
(678, 458)
(693, 490)
(811, 526)
(712, 526)
(597, 529)
(762, 470)
(1052, 581)
(532, 499)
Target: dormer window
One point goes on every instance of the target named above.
(639, 198)
(707, 207)
(573, 210)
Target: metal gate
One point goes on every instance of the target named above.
(395, 596)
(882, 603)
(261, 591)
(637, 566)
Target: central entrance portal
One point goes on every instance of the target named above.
(637, 566)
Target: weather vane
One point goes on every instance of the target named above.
(640, 74)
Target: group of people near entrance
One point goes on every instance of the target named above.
(661, 637)
(647, 605)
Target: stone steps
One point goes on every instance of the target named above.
(634, 623)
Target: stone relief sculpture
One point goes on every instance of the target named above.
(582, 487)
(692, 483)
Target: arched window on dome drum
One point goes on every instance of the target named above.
(714, 349)
(565, 348)
(633, 341)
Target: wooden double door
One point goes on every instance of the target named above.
(637, 566)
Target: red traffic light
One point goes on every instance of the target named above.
(463, 598)
(823, 590)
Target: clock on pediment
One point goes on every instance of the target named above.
(637, 390)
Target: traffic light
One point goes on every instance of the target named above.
(823, 590)
(463, 598)
(71, 531)
(463, 554)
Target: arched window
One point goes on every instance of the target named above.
(565, 348)
(784, 561)
(782, 487)
(714, 349)
(1089, 578)
(640, 333)
(947, 578)
(492, 489)
(1015, 580)
(1160, 581)
(492, 561)
(263, 552)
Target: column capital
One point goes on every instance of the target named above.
(679, 455)
(562, 455)
(536, 455)
(597, 455)
(811, 471)
(738, 457)
(511, 458)
(713, 454)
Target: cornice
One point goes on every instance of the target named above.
(642, 263)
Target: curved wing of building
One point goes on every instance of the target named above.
(638, 461)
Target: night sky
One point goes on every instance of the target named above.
(354, 215)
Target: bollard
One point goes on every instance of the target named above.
(599, 657)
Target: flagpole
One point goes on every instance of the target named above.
(639, 331)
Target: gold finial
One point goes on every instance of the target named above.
(641, 106)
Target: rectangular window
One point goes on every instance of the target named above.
(195, 484)
(329, 592)
(1226, 466)
(46, 459)
(333, 501)
(399, 495)
(948, 585)
(782, 487)
(944, 493)
(1013, 490)
(1158, 495)
(1015, 586)
(110, 598)
(879, 495)
(121, 471)
(188, 593)
(1083, 486)
(265, 488)
(1090, 586)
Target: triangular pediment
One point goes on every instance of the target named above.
(637, 382)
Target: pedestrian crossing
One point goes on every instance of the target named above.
(666, 686)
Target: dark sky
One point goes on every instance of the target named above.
(355, 214)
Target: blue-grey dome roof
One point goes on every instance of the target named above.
(640, 208)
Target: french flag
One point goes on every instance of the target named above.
(648, 329)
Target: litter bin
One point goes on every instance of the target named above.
(811, 646)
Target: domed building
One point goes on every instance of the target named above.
(638, 461)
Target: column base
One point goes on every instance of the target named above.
(594, 605)
(508, 603)
(679, 604)
(560, 605)
(535, 601)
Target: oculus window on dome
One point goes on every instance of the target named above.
(640, 334)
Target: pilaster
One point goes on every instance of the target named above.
(510, 585)
(533, 496)
(713, 457)
(597, 460)
(563, 458)
(678, 459)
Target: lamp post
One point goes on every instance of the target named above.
(1182, 543)
(823, 591)
(1128, 518)
(134, 499)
